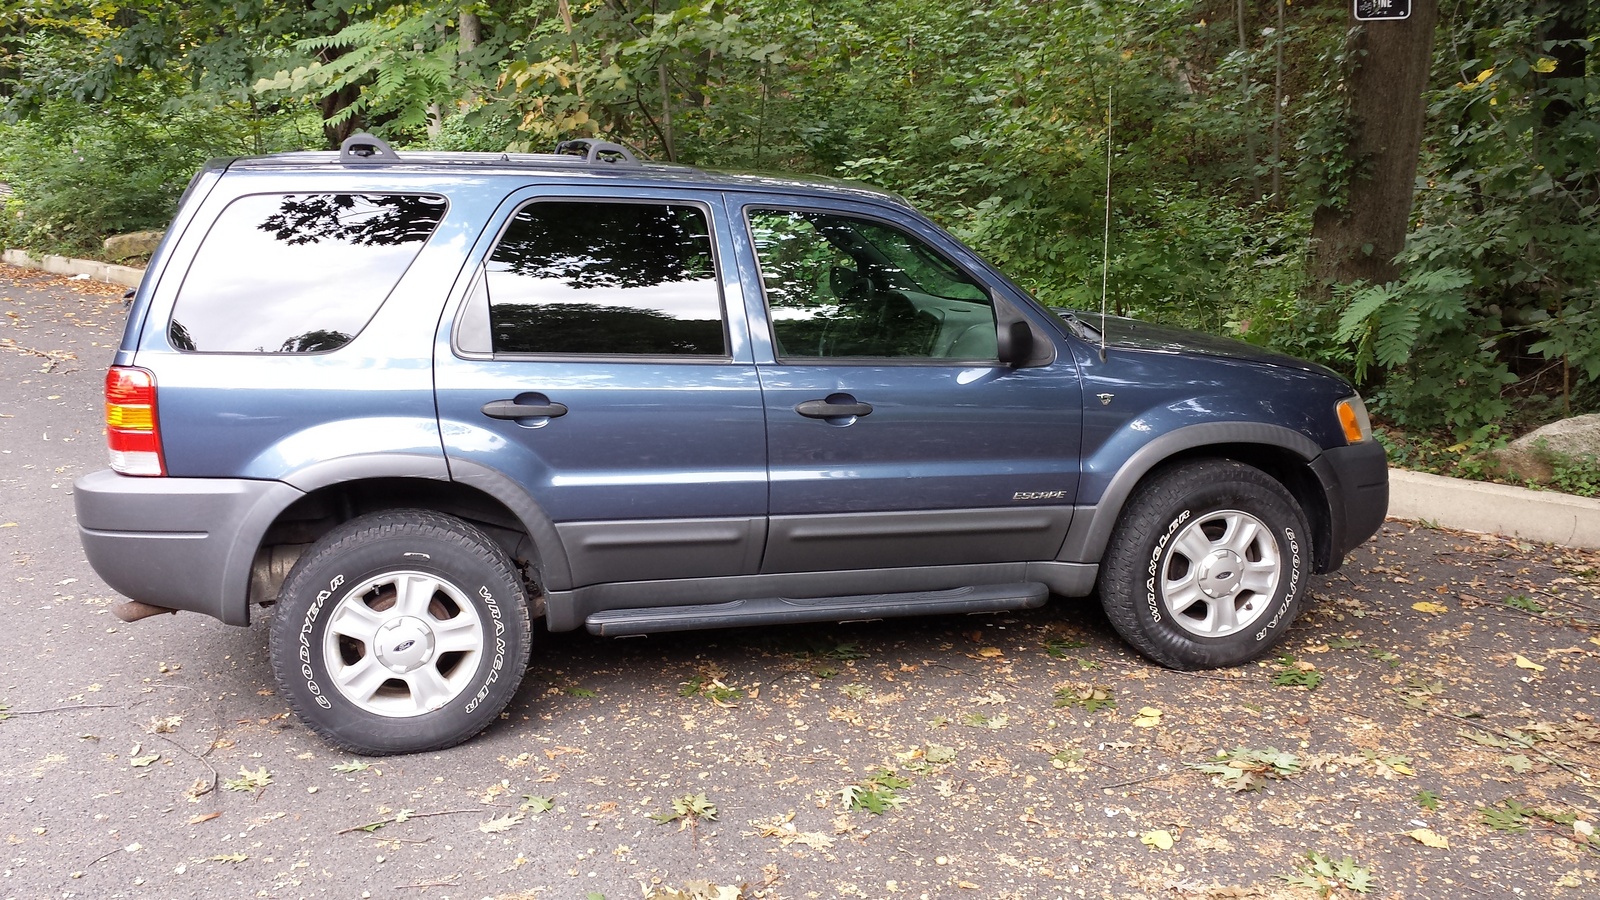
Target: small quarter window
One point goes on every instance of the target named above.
(298, 273)
(585, 278)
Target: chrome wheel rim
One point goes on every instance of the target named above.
(1221, 573)
(402, 644)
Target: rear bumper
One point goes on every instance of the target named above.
(179, 543)
(1356, 482)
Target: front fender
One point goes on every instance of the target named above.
(1121, 462)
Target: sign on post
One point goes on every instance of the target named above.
(1382, 10)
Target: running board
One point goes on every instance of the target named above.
(785, 610)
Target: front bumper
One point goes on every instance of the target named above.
(178, 543)
(1355, 480)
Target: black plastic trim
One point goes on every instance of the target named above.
(786, 610)
(672, 548)
(179, 543)
(555, 574)
(1355, 480)
(1091, 528)
(567, 609)
(908, 538)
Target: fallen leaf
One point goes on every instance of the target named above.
(1428, 606)
(1519, 763)
(1430, 838)
(204, 817)
(990, 652)
(503, 823)
(1525, 663)
(1157, 840)
(139, 762)
(1149, 717)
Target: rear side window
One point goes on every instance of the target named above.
(585, 278)
(298, 273)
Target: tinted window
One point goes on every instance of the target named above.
(298, 273)
(588, 278)
(840, 286)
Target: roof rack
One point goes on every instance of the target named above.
(363, 148)
(366, 149)
(593, 150)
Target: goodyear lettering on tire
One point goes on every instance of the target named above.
(1294, 586)
(306, 628)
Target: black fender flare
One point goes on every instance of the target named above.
(1090, 532)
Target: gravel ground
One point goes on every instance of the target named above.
(1428, 732)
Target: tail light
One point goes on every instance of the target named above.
(132, 435)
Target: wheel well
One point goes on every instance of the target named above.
(1288, 469)
(307, 519)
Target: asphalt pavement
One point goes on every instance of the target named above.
(1428, 731)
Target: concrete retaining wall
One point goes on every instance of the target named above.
(63, 265)
(1545, 516)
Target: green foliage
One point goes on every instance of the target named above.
(1092, 697)
(877, 793)
(1293, 673)
(1578, 475)
(1248, 770)
(1325, 874)
(690, 810)
(1524, 603)
(1501, 286)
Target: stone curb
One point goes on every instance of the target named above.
(127, 276)
(1545, 516)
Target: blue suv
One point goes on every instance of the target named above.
(415, 402)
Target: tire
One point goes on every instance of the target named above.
(401, 632)
(1207, 565)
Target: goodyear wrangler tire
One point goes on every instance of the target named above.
(401, 632)
(1207, 565)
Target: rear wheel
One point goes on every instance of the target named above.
(401, 632)
(1206, 567)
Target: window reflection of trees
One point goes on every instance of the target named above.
(259, 285)
(364, 220)
(553, 251)
(606, 245)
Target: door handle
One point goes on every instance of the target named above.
(832, 409)
(511, 409)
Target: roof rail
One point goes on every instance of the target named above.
(363, 148)
(594, 150)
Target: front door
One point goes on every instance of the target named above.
(895, 436)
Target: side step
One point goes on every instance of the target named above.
(785, 610)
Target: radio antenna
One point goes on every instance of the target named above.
(1105, 249)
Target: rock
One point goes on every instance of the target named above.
(1529, 456)
(139, 243)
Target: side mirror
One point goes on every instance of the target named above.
(1014, 343)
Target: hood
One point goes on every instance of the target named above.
(1132, 334)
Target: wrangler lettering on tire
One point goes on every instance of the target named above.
(401, 632)
(1205, 565)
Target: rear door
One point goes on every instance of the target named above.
(895, 437)
(595, 363)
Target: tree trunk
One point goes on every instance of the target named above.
(1564, 30)
(1390, 66)
(470, 35)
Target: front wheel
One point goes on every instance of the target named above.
(1207, 565)
(401, 632)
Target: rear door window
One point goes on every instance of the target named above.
(582, 278)
(298, 273)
